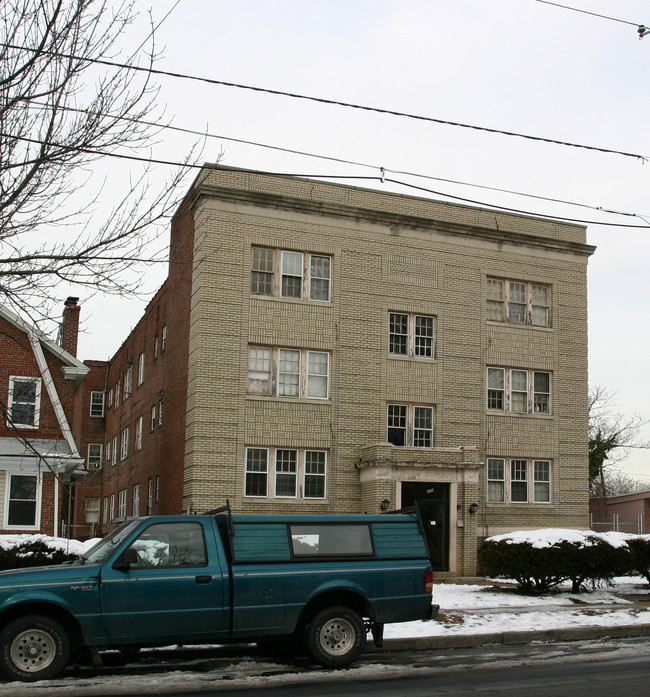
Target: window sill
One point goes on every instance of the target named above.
(518, 414)
(298, 301)
(288, 400)
(520, 325)
(419, 359)
(519, 504)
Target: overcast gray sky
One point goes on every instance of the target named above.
(513, 65)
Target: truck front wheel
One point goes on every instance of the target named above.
(33, 648)
(336, 637)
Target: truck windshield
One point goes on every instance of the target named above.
(104, 548)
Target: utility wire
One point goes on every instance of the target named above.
(332, 102)
(587, 12)
(382, 178)
(328, 158)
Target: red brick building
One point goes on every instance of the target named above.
(39, 456)
(139, 439)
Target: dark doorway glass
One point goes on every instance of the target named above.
(432, 499)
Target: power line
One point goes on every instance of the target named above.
(328, 158)
(382, 178)
(332, 102)
(509, 209)
(641, 29)
(587, 12)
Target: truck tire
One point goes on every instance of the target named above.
(336, 636)
(34, 648)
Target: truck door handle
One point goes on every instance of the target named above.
(203, 579)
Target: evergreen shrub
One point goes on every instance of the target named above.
(539, 569)
(34, 553)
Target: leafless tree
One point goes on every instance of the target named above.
(64, 106)
(612, 434)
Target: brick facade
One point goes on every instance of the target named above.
(383, 257)
(38, 455)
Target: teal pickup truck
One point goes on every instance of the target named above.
(311, 585)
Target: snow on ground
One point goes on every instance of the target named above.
(489, 608)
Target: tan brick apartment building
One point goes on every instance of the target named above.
(321, 347)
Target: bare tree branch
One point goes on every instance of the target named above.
(611, 436)
(60, 113)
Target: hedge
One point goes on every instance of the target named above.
(32, 553)
(541, 560)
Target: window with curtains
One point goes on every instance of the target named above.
(518, 302)
(289, 473)
(518, 390)
(284, 372)
(291, 274)
(518, 480)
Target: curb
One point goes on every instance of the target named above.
(467, 641)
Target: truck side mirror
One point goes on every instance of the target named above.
(126, 560)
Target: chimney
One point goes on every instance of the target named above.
(69, 331)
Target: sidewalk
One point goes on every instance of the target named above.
(493, 613)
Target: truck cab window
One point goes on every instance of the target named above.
(166, 545)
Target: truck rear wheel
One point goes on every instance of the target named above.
(33, 648)
(336, 637)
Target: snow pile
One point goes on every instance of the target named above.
(67, 546)
(548, 537)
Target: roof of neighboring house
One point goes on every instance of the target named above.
(16, 454)
(622, 498)
(72, 368)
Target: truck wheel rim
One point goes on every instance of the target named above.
(337, 637)
(33, 650)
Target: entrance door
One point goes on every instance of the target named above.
(432, 498)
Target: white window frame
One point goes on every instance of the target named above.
(288, 373)
(9, 500)
(536, 473)
(160, 413)
(124, 444)
(97, 400)
(504, 391)
(150, 496)
(309, 272)
(139, 426)
(92, 511)
(153, 418)
(36, 404)
(95, 454)
(163, 340)
(112, 508)
(135, 501)
(140, 369)
(278, 468)
(114, 453)
(496, 476)
(404, 418)
(408, 335)
(105, 511)
(122, 503)
(540, 483)
(518, 302)
(128, 383)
